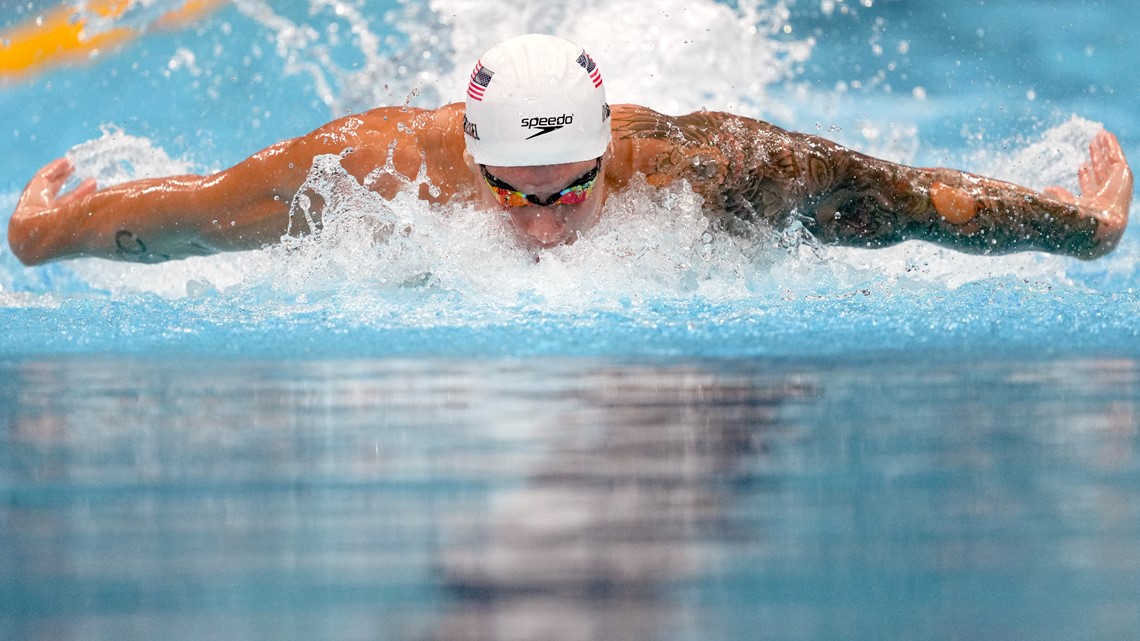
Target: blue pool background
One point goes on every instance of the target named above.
(972, 88)
(646, 435)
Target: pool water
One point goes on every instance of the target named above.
(569, 499)
(657, 433)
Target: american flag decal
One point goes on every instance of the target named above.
(480, 78)
(591, 68)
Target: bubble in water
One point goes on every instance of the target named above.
(651, 243)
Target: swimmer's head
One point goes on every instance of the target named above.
(536, 100)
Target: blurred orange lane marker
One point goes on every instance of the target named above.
(61, 35)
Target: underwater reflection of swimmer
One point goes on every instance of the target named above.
(612, 518)
(548, 160)
(569, 510)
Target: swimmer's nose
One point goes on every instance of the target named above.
(545, 230)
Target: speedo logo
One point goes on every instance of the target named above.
(546, 124)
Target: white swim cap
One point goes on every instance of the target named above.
(536, 100)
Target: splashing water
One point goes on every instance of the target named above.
(650, 242)
(403, 263)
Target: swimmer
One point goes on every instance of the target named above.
(537, 140)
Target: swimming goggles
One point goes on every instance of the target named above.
(573, 194)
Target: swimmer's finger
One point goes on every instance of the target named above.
(1100, 157)
(1087, 179)
(1061, 194)
(1106, 155)
(1106, 146)
(1113, 177)
(85, 188)
(56, 172)
(45, 184)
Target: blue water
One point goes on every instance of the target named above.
(576, 499)
(653, 434)
(971, 88)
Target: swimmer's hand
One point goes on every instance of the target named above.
(42, 192)
(1106, 191)
(38, 205)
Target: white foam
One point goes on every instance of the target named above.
(651, 244)
(116, 157)
(676, 55)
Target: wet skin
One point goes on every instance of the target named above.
(744, 169)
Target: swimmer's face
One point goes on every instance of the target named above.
(558, 222)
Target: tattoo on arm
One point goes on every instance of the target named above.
(753, 171)
(129, 245)
(131, 248)
(724, 158)
(871, 202)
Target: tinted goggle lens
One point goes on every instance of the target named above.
(577, 192)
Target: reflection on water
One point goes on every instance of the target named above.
(616, 510)
(568, 499)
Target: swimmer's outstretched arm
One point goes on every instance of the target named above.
(859, 200)
(757, 171)
(246, 206)
(150, 220)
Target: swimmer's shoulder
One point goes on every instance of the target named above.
(409, 141)
(434, 135)
(639, 139)
(636, 122)
(389, 121)
(660, 146)
(717, 153)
